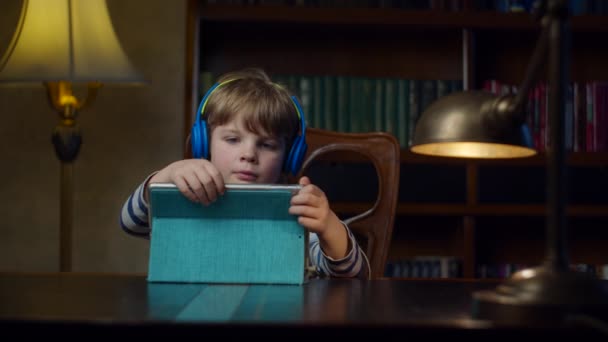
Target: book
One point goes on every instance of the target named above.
(342, 101)
(330, 101)
(403, 107)
(379, 104)
(390, 106)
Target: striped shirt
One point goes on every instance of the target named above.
(134, 219)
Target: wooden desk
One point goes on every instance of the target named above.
(96, 305)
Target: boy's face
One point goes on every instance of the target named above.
(242, 156)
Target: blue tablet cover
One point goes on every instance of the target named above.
(246, 236)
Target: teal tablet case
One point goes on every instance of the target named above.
(246, 236)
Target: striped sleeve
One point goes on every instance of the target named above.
(134, 213)
(353, 265)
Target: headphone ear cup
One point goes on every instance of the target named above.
(195, 140)
(296, 155)
(199, 140)
(204, 140)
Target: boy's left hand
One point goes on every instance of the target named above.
(312, 208)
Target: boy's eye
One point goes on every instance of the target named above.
(231, 139)
(269, 145)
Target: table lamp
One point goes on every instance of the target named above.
(60, 43)
(476, 124)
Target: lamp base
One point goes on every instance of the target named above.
(543, 296)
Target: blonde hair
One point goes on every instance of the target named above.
(265, 107)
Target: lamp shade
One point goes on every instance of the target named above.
(66, 40)
(472, 124)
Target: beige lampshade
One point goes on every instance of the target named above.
(66, 40)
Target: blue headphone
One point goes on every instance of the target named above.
(199, 137)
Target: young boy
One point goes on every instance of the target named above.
(251, 123)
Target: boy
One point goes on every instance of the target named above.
(252, 124)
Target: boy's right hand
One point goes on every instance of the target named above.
(197, 179)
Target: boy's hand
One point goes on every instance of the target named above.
(312, 207)
(197, 179)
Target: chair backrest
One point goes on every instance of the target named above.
(374, 226)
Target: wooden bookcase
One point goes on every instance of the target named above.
(482, 212)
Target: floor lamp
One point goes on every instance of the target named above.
(61, 43)
(475, 124)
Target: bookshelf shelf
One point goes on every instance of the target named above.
(449, 209)
(477, 211)
(408, 157)
(383, 17)
(514, 210)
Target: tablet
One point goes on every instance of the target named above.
(245, 236)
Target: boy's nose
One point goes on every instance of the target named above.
(249, 153)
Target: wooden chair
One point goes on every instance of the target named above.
(373, 227)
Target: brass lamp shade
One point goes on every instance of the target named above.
(66, 40)
(472, 124)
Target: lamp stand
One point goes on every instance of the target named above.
(65, 218)
(66, 139)
(551, 293)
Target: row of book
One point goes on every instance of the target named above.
(425, 267)
(357, 104)
(586, 114)
(505, 270)
(576, 7)
(451, 267)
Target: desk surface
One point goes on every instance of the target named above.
(126, 304)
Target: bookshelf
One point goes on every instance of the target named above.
(479, 212)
